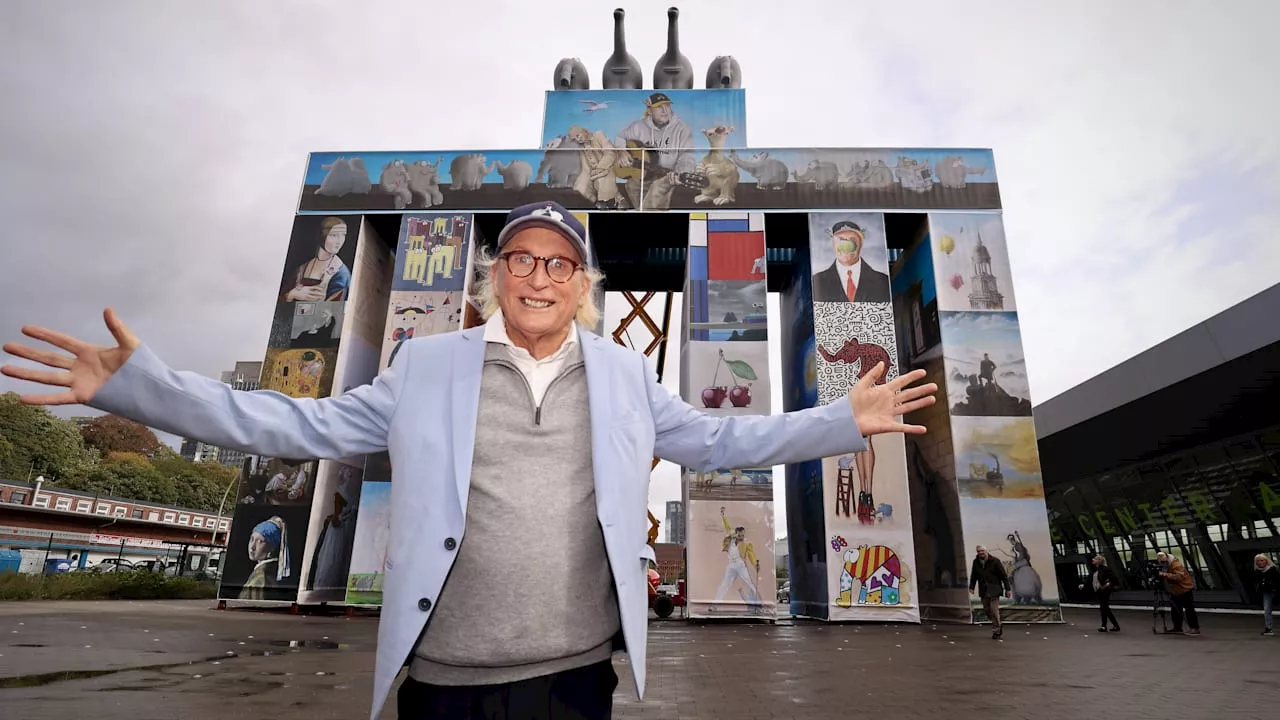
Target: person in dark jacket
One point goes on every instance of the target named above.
(1268, 585)
(1105, 582)
(991, 580)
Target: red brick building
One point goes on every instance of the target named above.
(43, 521)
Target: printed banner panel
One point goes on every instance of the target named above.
(332, 525)
(268, 530)
(593, 177)
(731, 564)
(971, 262)
(368, 566)
(1002, 507)
(659, 119)
(319, 286)
(985, 365)
(331, 533)
(729, 175)
(317, 265)
(868, 511)
(585, 168)
(1015, 532)
(429, 282)
(866, 497)
(725, 372)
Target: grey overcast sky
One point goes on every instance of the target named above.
(152, 152)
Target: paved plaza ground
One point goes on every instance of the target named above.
(165, 659)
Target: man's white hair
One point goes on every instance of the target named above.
(484, 293)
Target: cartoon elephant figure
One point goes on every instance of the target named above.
(571, 74)
(559, 165)
(395, 181)
(878, 572)
(953, 173)
(724, 72)
(344, 177)
(468, 171)
(822, 173)
(515, 176)
(424, 183)
(770, 173)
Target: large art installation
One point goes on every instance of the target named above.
(880, 255)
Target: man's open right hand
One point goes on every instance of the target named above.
(83, 373)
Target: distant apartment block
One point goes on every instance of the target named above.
(244, 376)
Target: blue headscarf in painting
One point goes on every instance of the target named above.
(273, 531)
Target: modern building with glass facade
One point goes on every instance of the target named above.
(1176, 449)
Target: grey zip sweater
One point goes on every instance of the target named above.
(530, 592)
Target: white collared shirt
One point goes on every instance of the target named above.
(539, 373)
(844, 270)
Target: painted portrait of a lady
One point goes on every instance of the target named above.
(324, 276)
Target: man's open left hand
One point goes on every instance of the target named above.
(878, 408)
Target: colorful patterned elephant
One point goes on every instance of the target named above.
(878, 572)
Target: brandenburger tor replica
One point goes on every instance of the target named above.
(893, 254)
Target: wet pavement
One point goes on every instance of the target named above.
(165, 659)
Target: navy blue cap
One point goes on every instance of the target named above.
(846, 225)
(549, 214)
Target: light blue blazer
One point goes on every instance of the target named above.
(423, 410)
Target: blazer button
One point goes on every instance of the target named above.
(450, 544)
(424, 604)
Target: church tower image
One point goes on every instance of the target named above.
(986, 295)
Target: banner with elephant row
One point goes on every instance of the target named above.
(590, 170)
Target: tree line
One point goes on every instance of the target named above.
(108, 456)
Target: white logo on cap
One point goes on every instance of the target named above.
(548, 212)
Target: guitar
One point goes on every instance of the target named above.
(639, 162)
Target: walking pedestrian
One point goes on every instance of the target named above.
(991, 580)
(1105, 583)
(1181, 593)
(1268, 584)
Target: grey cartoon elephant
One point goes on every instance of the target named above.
(570, 74)
(424, 183)
(344, 177)
(468, 171)
(516, 175)
(560, 166)
(952, 172)
(770, 173)
(395, 181)
(822, 173)
(724, 72)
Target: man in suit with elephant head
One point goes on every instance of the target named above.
(850, 278)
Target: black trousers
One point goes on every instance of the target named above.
(1184, 603)
(1104, 604)
(584, 693)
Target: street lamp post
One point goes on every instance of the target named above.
(214, 540)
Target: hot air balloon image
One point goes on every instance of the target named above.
(947, 244)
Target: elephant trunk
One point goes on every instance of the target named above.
(726, 72)
(564, 78)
